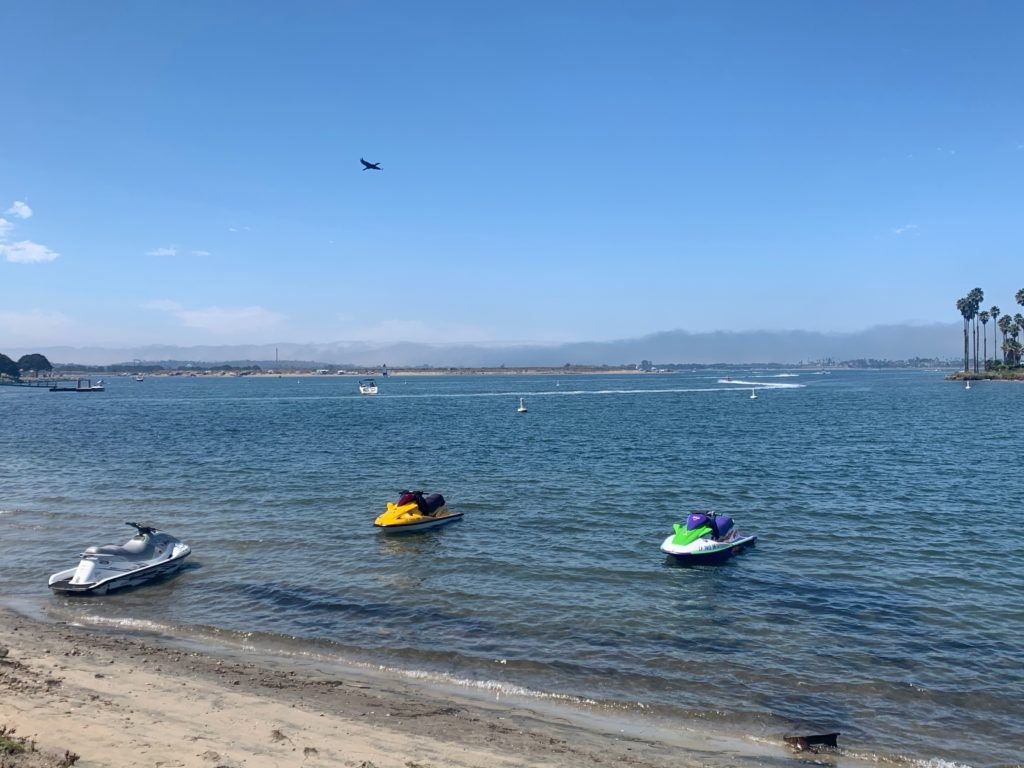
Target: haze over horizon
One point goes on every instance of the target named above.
(933, 341)
(553, 175)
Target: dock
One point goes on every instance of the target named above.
(34, 383)
(51, 384)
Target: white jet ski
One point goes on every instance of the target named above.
(149, 554)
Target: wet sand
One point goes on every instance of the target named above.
(134, 699)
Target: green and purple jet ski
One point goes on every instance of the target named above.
(706, 538)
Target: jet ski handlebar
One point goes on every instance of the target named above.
(142, 529)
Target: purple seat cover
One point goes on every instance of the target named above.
(432, 503)
(721, 525)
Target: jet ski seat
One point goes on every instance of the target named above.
(427, 505)
(136, 548)
(721, 525)
(430, 504)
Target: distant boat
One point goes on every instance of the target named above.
(367, 387)
(139, 377)
(753, 394)
(522, 407)
(968, 385)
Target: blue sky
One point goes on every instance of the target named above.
(552, 171)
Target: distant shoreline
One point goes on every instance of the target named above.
(231, 370)
(1017, 374)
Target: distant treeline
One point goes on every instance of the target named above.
(240, 366)
(151, 368)
(137, 366)
(26, 363)
(976, 332)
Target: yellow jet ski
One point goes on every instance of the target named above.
(416, 512)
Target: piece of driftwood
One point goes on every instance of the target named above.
(812, 743)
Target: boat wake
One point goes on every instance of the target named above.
(583, 392)
(761, 384)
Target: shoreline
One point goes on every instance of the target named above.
(133, 698)
(1013, 375)
(398, 373)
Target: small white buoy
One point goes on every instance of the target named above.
(753, 394)
(521, 408)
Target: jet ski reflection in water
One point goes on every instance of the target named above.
(416, 512)
(147, 555)
(706, 537)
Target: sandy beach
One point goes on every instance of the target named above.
(125, 699)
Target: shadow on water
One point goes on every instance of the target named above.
(415, 543)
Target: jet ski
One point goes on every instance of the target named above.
(415, 512)
(149, 554)
(706, 537)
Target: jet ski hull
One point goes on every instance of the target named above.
(421, 524)
(715, 554)
(101, 570)
(60, 583)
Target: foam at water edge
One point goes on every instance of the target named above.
(244, 644)
(931, 762)
(149, 626)
(873, 757)
(494, 686)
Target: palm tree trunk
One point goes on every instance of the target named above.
(967, 354)
(974, 340)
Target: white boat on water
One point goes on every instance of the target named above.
(753, 394)
(149, 554)
(140, 377)
(522, 406)
(367, 387)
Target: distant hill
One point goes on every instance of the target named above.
(892, 342)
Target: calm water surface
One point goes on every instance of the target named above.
(885, 598)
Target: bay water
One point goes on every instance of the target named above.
(885, 597)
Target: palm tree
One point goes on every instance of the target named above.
(1006, 325)
(994, 312)
(976, 296)
(983, 316)
(1015, 329)
(1019, 298)
(965, 311)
